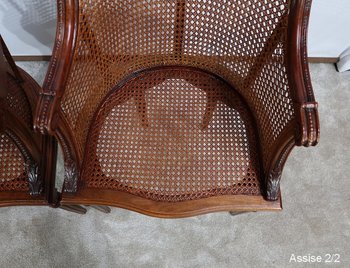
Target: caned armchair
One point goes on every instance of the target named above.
(27, 159)
(178, 107)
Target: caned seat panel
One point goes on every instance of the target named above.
(13, 176)
(173, 134)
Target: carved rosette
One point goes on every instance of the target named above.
(34, 180)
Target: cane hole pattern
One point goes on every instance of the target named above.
(17, 102)
(12, 168)
(174, 135)
(242, 41)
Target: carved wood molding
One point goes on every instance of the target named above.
(60, 32)
(34, 177)
(70, 176)
(307, 130)
(46, 107)
(32, 167)
(274, 176)
(49, 98)
(71, 170)
(305, 24)
(273, 184)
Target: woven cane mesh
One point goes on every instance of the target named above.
(174, 135)
(17, 102)
(242, 41)
(13, 175)
(12, 167)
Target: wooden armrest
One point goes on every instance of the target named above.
(308, 131)
(46, 117)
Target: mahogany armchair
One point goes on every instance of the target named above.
(27, 159)
(180, 107)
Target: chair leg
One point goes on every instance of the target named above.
(74, 208)
(103, 209)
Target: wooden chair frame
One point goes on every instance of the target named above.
(303, 131)
(39, 152)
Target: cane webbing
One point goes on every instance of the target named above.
(173, 135)
(12, 166)
(13, 174)
(17, 103)
(243, 41)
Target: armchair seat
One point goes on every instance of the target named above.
(178, 108)
(173, 134)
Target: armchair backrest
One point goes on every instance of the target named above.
(253, 45)
(244, 42)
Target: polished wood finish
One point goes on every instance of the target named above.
(171, 210)
(302, 130)
(38, 152)
(32, 58)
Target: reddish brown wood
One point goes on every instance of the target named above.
(288, 36)
(56, 78)
(306, 128)
(172, 210)
(18, 99)
(307, 131)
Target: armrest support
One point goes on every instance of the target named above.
(304, 129)
(46, 118)
(307, 132)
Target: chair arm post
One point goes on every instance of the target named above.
(273, 177)
(308, 126)
(307, 130)
(46, 115)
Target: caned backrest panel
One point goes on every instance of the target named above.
(242, 41)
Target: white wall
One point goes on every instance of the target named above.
(28, 26)
(329, 30)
